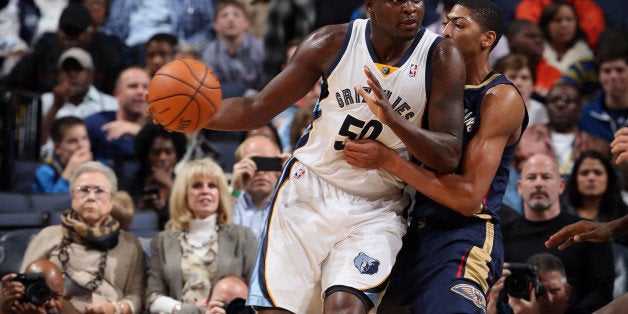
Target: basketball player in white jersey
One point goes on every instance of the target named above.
(334, 229)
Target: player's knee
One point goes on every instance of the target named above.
(343, 299)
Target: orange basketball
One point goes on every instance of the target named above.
(184, 95)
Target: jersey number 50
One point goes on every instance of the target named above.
(352, 125)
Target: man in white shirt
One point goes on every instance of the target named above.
(74, 94)
(252, 186)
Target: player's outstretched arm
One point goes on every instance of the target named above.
(309, 63)
(585, 230)
(502, 115)
(440, 146)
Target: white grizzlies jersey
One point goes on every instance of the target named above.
(341, 113)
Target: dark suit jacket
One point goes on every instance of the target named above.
(237, 250)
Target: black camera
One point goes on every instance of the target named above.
(237, 306)
(36, 290)
(268, 163)
(523, 278)
(152, 189)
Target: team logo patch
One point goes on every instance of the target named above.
(366, 264)
(472, 293)
(413, 68)
(299, 173)
(385, 70)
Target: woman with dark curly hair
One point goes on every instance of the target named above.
(157, 151)
(594, 189)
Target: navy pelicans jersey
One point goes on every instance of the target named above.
(341, 113)
(473, 96)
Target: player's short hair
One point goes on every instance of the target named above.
(61, 125)
(487, 14)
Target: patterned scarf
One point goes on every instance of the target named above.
(102, 239)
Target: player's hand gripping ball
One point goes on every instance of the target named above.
(184, 95)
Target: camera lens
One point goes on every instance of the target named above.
(37, 293)
(518, 285)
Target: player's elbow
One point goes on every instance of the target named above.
(448, 163)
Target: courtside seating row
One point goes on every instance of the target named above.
(20, 210)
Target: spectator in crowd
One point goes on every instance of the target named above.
(159, 50)
(253, 188)
(112, 133)
(533, 141)
(606, 113)
(37, 71)
(518, 69)
(74, 94)
(589, 14)
(525, 37)
(14, 291)
(12, 46)
(565, 44)
(136, 21)
(227, 289)
(103, 265)
(562, 132)
(98, 10)
(71, 150)
(235, 55)
(589, 266)
(289, 19)
(594, 189)
(48, 15)
(594, 193)
(157, 151)
(199, 245)
(552, 299)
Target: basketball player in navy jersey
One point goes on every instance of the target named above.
(452, 253)
(334, 228)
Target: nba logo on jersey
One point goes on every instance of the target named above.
(413, 68)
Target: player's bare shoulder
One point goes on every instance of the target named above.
(505, 93)
(322, 46)
(504, 109)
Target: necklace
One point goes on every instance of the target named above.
(64, 257)
(204, 244)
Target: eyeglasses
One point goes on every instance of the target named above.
(402, 2)
(84, 191)
(564, 97)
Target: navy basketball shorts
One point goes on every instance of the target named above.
(445, 267)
